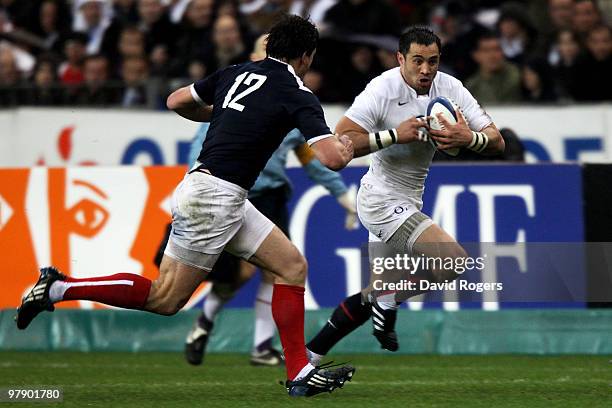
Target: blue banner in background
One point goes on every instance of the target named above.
(475, 203)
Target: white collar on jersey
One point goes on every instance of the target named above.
(413, 91)
(290, 69)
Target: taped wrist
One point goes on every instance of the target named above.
(480, 141)
(382, 139)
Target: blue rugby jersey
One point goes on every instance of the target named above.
(254, 106)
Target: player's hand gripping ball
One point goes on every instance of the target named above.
(447, 108)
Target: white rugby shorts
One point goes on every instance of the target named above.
(210, 215)
(383, 213)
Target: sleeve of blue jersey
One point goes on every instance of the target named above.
(205, 88)
(307, 114)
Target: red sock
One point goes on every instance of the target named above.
(125, 290)
(288, 313)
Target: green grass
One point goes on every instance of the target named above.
(156, 380)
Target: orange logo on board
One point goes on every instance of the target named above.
(87, 221)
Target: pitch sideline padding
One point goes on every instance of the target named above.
(424, 332)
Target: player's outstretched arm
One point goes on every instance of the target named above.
(364, 143)
(335, 152)
(181, 101)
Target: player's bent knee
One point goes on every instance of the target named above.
(295, 271)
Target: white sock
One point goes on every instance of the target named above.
(387, 301)
(57, 290)
(264, 322)
(304, 371)
(212, 305)
(314, 358)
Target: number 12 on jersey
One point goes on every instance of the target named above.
(254, 81)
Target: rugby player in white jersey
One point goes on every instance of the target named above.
(384, 120)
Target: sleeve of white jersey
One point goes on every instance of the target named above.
(476, 117)
(365, 110)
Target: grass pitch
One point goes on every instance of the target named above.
(226, 380)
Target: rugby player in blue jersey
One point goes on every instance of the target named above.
(251, 107)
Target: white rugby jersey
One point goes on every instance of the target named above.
(385, 103)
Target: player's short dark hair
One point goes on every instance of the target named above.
(422, 35)
(291, 37)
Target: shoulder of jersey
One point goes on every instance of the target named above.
(388, 84)
(447, 82)
(293, 80)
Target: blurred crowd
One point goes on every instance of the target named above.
(132, 53)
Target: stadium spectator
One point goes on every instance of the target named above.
(229, 48)
(44, 90)
(568, 49)
(586, 16)
(459, 33)
(10, 77)
(560, 13)
(497, 80)
(364, 16)
(95, 90)
(134, 73)
(536, 82)
(160, 33)
(195, 38)
(131, 44)
(206, 37)
(52, 24)
(196, 70)
(125, 11)
(362, 69)
(592, 72)
(387, 58)
(560, 16)
(71, 70)
(93, 20)
(517, 32)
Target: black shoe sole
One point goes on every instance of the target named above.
(28, 310)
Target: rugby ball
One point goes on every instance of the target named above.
(446, 107)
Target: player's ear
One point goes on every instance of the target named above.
(400, 58)
(307, 58)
